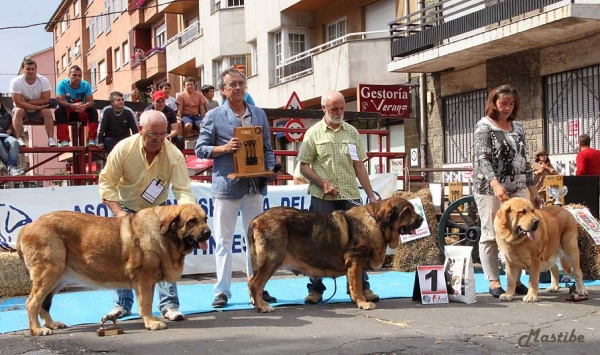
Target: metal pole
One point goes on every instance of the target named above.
(423, 104)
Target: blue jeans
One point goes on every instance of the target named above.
(167, 292)
(319, 205)
(12, 157)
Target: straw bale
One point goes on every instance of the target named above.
(14, 281)
(589, 252)
(423, 251)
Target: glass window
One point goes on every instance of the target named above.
(117, 58)
(77, 48)
(100, 25)
(92, 31)
(336, 29)
(278, 50)
(68, 18)
(124, 4)
(126, 52)
(93, 72)
(64, 61)
(160, 36)
(76, 7)
(63, 25)
(107, 12)
(254, 58)
(102, 70)
(116, 7)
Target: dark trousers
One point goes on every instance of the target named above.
(320, 205)
(62, 116)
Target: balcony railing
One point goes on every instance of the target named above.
(301, 63)
(442, 20)
(187, 35)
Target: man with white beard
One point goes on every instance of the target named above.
(331, 158)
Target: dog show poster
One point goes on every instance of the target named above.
(423, 230)
(20, 207)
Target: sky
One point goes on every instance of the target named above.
(18, 43)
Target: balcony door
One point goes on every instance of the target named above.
(289, 42)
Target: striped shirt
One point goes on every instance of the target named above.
(327, 151)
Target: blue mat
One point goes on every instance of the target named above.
(88, 307)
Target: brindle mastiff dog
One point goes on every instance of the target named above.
(134, 251)
(532, 239)
(326, 244)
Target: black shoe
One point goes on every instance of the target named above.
(220, 301)
(521, 290)
(268, 298)
(496, 292)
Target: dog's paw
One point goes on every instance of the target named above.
(156, 325)
(530, 298)
(55, 325)
(40, 331)
(581, 291)
(555, 288)
(508, 297)
(366, 305)
(265, 309)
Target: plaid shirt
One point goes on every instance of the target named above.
(326, 150)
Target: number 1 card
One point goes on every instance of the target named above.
(430, 285)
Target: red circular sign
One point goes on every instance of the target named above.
(296, 124)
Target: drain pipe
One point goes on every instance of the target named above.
(423, 105)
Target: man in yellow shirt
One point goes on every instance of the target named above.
(138, 173)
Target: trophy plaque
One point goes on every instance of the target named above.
(249, 161)
(111, 329)
(557, 194)
(555, 183)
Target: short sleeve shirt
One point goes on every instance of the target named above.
(30, 92)
(73, 95)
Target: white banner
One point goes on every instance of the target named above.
(19, 207)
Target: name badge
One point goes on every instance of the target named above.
(352, 151)
(153, 191)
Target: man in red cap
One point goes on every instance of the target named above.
(159, 103)
(116, 123)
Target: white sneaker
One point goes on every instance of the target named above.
(15, 171)
(51, 142)
(173, 314)
(21, 143)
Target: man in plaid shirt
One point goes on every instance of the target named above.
(332, 157)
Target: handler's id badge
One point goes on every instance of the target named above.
(352, 151)
(153, 191)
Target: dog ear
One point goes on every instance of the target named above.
(171, 216)
(502, 215)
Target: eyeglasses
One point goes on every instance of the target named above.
(236, 84)
(157, 135)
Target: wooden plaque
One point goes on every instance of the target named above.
(249, 161)
(553, 181)
(455, 192)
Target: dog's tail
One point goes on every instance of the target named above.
(251, 246)
(20, 251)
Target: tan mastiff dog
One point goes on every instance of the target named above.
(532, 239)
(134, 251)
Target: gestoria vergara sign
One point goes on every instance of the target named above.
(390, 101)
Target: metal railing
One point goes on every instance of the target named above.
(444, 19)
(301, 63)
(186, 36)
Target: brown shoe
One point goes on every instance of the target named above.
(370, 296)
(313, 297)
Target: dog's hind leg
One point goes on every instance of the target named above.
(45, 278)
(45, 310)
(266, 265)
(571, 254)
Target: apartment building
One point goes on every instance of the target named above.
(119, 44)
(548, 49)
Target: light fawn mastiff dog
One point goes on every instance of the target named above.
(532, 239)
(326, 244)
(134, 251)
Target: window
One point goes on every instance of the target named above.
(77, 48)
(228, 62)
(232, 3)
(93, 72)
(107, 12)
(461, 114)
(117, 58)
(223, 4)
(69, 54)
(92, 31)
(102, 70)
(278, 51)
(68, 19)
(64, 62)
(287, 43)
(58, 68)
(63, 25)
(572, 108)
(99, 24)
(126, 54)
(336, 29)
(160, 36)
(124, 5)
(253, 69)
(76, 8)
(116, 6)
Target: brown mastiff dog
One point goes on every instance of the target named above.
(134, 251)
(326, 244)
(532, 239)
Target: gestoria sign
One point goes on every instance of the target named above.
(390, 101)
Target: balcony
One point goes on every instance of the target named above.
(156, 63)
(341, 64)
(176, 7)
(454, 34)
(138, 68)
(183, 48)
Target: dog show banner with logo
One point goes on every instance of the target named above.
(20, 207)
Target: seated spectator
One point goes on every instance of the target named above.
(10, 159)
(31, 96)
(174, 127)
(190, 107)
(76, 103)
(166, 88)
(116, 123)
(209, 92)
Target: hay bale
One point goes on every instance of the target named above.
(14, 281)
(424, 251)
(589, 252)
